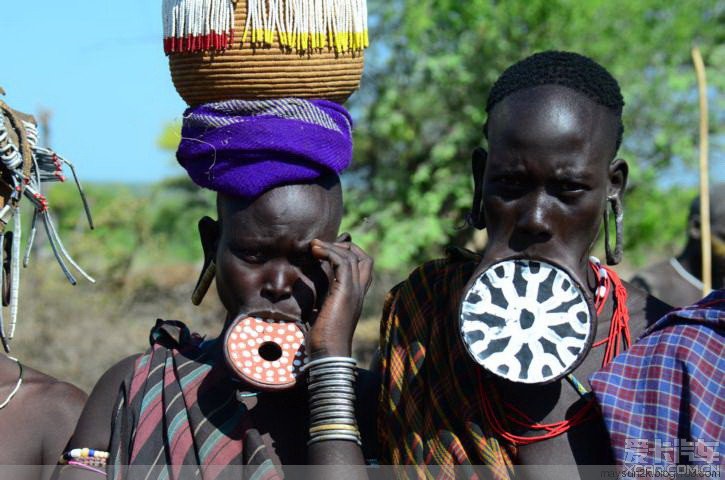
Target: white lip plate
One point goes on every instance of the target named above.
(526, 321)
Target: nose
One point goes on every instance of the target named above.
(533, 224)
(279, 280)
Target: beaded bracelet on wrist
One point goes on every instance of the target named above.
(85, 456)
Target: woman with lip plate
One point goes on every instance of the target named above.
(542, 190)
(277, 385)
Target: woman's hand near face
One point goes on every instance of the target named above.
(352, 268)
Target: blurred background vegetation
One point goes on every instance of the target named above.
(418, 116)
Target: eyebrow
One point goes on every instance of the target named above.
(266, 243)
(571, 173)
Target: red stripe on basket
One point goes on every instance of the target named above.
(194, 43)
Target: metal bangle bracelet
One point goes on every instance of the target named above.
(349, 389)
(331, 416)
(329, 401)
(338, 382)
(345, 408)
(328, 395)
(350, 433)
(323, 360)
(331, 408)
(323, 438)
(328, 414)
(342, 387)
(315, 372)
(332, 376)
(330, 382)
(338, 389)
(326, 373)
(333, 413)
(336, 420)
(316, 411)
(341, 420)
(320, 366)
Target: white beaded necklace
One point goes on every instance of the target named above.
(17, 384)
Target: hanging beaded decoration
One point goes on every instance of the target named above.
(24, 168)
(527, 321)
(268, 354)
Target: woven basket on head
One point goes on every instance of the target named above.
(243, 72)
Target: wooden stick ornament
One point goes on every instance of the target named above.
(705, 233)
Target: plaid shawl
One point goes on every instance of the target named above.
(430, 410)
(178, 410)
(666, 393)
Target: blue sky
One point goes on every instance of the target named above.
(99, 67)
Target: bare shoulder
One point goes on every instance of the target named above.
(94, 426)
(50, 409)
(644, 309)
(54, 395)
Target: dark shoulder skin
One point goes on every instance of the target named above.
(37, 422)
(663, 281)
(587, 444)
(93, 429)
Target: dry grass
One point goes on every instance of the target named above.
(77, 333)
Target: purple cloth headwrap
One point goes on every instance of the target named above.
(246, 147)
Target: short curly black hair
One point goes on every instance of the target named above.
(567, 69)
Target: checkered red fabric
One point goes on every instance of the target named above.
(667, 389)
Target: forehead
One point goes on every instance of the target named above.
(293, 212)
(553, 119)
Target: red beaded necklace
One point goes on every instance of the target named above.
(618, 335)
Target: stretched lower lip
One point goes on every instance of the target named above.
(272, 315)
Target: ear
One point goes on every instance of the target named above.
(618, 174)
(693, 227)
(209, 234)
(344, 237)
(478, 168)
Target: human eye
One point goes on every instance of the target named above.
(571, 189)
(568, 186)
(508, 184)
(249, 255)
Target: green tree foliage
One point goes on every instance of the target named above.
(421, 108)
(419, 115)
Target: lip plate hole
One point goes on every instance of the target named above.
(270, 351)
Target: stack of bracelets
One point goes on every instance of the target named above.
(331, 387)
(86, 458)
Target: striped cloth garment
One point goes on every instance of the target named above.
(663, 400)
(159, 430)
(430, 411)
